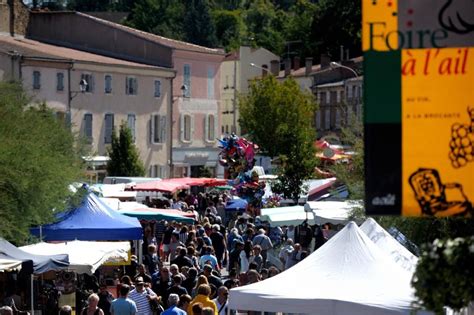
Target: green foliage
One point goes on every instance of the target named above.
(444, 274)
(352, 174)
(266, 25)
(38, 160)
(198, 26)
(278, 117)
(124, 157)
(161, 17)
(336, 23)
(230, 28)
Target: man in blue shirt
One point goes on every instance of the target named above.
(173, 309)
(123, 305)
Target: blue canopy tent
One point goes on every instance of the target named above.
(33, 263)
(236, 205)
(92, 220)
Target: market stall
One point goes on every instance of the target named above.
(92, 220)
(347, 275)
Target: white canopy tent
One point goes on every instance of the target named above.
(84, 256)
(384, 241)
(335, 212)
(347, 275)
(10, 264)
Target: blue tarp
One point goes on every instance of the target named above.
(93, 220)
(33, 263)
(236, 205)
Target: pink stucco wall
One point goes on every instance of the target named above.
(199, 63)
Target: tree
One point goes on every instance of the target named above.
(278, 117)
(124, 157)
(230, 28)
(266, 25)
(38, 161)
(199, 26)
(161, 17)
(336, 23)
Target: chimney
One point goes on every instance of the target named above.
(287, 67)
(308, 66)
(275, 67)
(296, 63)
(325, 61)
(342, 54)
(264, 70)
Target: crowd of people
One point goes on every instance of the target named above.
(190, 268)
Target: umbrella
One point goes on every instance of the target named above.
(236, 205)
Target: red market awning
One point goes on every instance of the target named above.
(172, 185)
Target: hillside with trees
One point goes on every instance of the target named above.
(304, 28)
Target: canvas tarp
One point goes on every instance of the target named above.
(84, 256)
(347, 275)
(9, 264)
(335, 212)
(93, 220)
(40, 263)
(389, 245)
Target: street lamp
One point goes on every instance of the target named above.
(262, 68)
(82, 89)
(338, 65)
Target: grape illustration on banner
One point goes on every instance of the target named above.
(462, 142)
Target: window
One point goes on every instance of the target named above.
(131, 125)
(210, 128)
(210, 83)
(36, 80)
(327, 119)
(186, 127)
(322, 97)
(131, 86)
(338, 96)
(157, 88)
(59, 81)
(338, 119)
(90, 82)
(318, 120)
(88, 128)
(187, 80)
(158, 129)
(108, 84)
(109, 127)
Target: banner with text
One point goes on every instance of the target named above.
(419, 107)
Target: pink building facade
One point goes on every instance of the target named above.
(196, 112)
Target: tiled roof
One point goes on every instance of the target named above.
(301, 72)
(156, 38)
(34, 49)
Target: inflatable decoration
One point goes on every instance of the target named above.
(238, 157)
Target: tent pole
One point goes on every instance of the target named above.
(32, 300)
(140, 252)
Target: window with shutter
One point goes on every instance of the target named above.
(109, 127)
(211, 125)
(156, 128)
(163, 129)
(131, 119)
(108, 84)
(90, 82)
(210, 83)
(59, 81)
(88, 128)
(36, 80)
(186, 127)
(131, 86)
(187, 80)
(157, 88)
